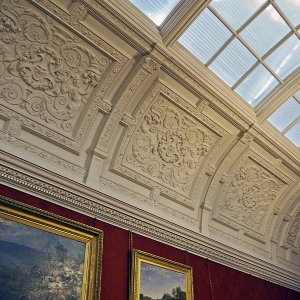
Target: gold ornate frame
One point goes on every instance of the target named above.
(90, 236)
(139, 256)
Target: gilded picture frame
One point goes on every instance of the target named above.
(46, 256)
(157, 278)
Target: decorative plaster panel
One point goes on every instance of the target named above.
(247, 198)
(168, 144)
(294, 230)
(47, 75)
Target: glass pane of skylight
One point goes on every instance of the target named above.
(285, 114)
(257, 85)
(265, 31)
(156, 10)
(286, 58)
(233, 62)
(205, 36)
(291, 8)
(294, 135)
(297, 95)
(237, 12)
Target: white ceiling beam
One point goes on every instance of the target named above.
(278, 97)
(181, 18)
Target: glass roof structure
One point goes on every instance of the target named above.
(286, 119)
(253, 46)
(155, 10)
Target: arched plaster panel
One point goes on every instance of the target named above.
(167, 145)
(283, 213)
(244, 193)
(53, 83)
(286, 234)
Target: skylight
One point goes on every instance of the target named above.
(286, 119)
(251, 45)
(155, 10)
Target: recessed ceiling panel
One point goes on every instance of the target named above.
(265, 31)
(156, 10)
(237, 12)
(233, 62)
(257, 85)
(205, 36)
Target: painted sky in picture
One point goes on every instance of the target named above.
(156, 281)
(36, 264)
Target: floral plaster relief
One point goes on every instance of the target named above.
(294, 230)
(249, 195)
(169, 146)
(44, 73)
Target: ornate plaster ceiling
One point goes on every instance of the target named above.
(96, 103)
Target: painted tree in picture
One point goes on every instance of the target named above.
(36, 264)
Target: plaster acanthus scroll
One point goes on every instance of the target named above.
(219, 172)
(49, 75)
(46, 73)
(169, 146)
(249, 195)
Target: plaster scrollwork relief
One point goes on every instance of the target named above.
(249, 194)
(294, 230)
(44, 73)
(169, 146)
(166, 147)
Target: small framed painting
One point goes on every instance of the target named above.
(156, 278)
(45, 256)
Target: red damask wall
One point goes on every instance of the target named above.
(212, 281)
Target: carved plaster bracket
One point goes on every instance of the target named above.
(127, 120)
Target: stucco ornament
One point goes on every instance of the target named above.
(250, 193)
(294, 230)
(169, 145)
(42, 69)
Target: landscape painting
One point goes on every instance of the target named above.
(36, 264)
(43, 256)
(155, 278)
(161, 283)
